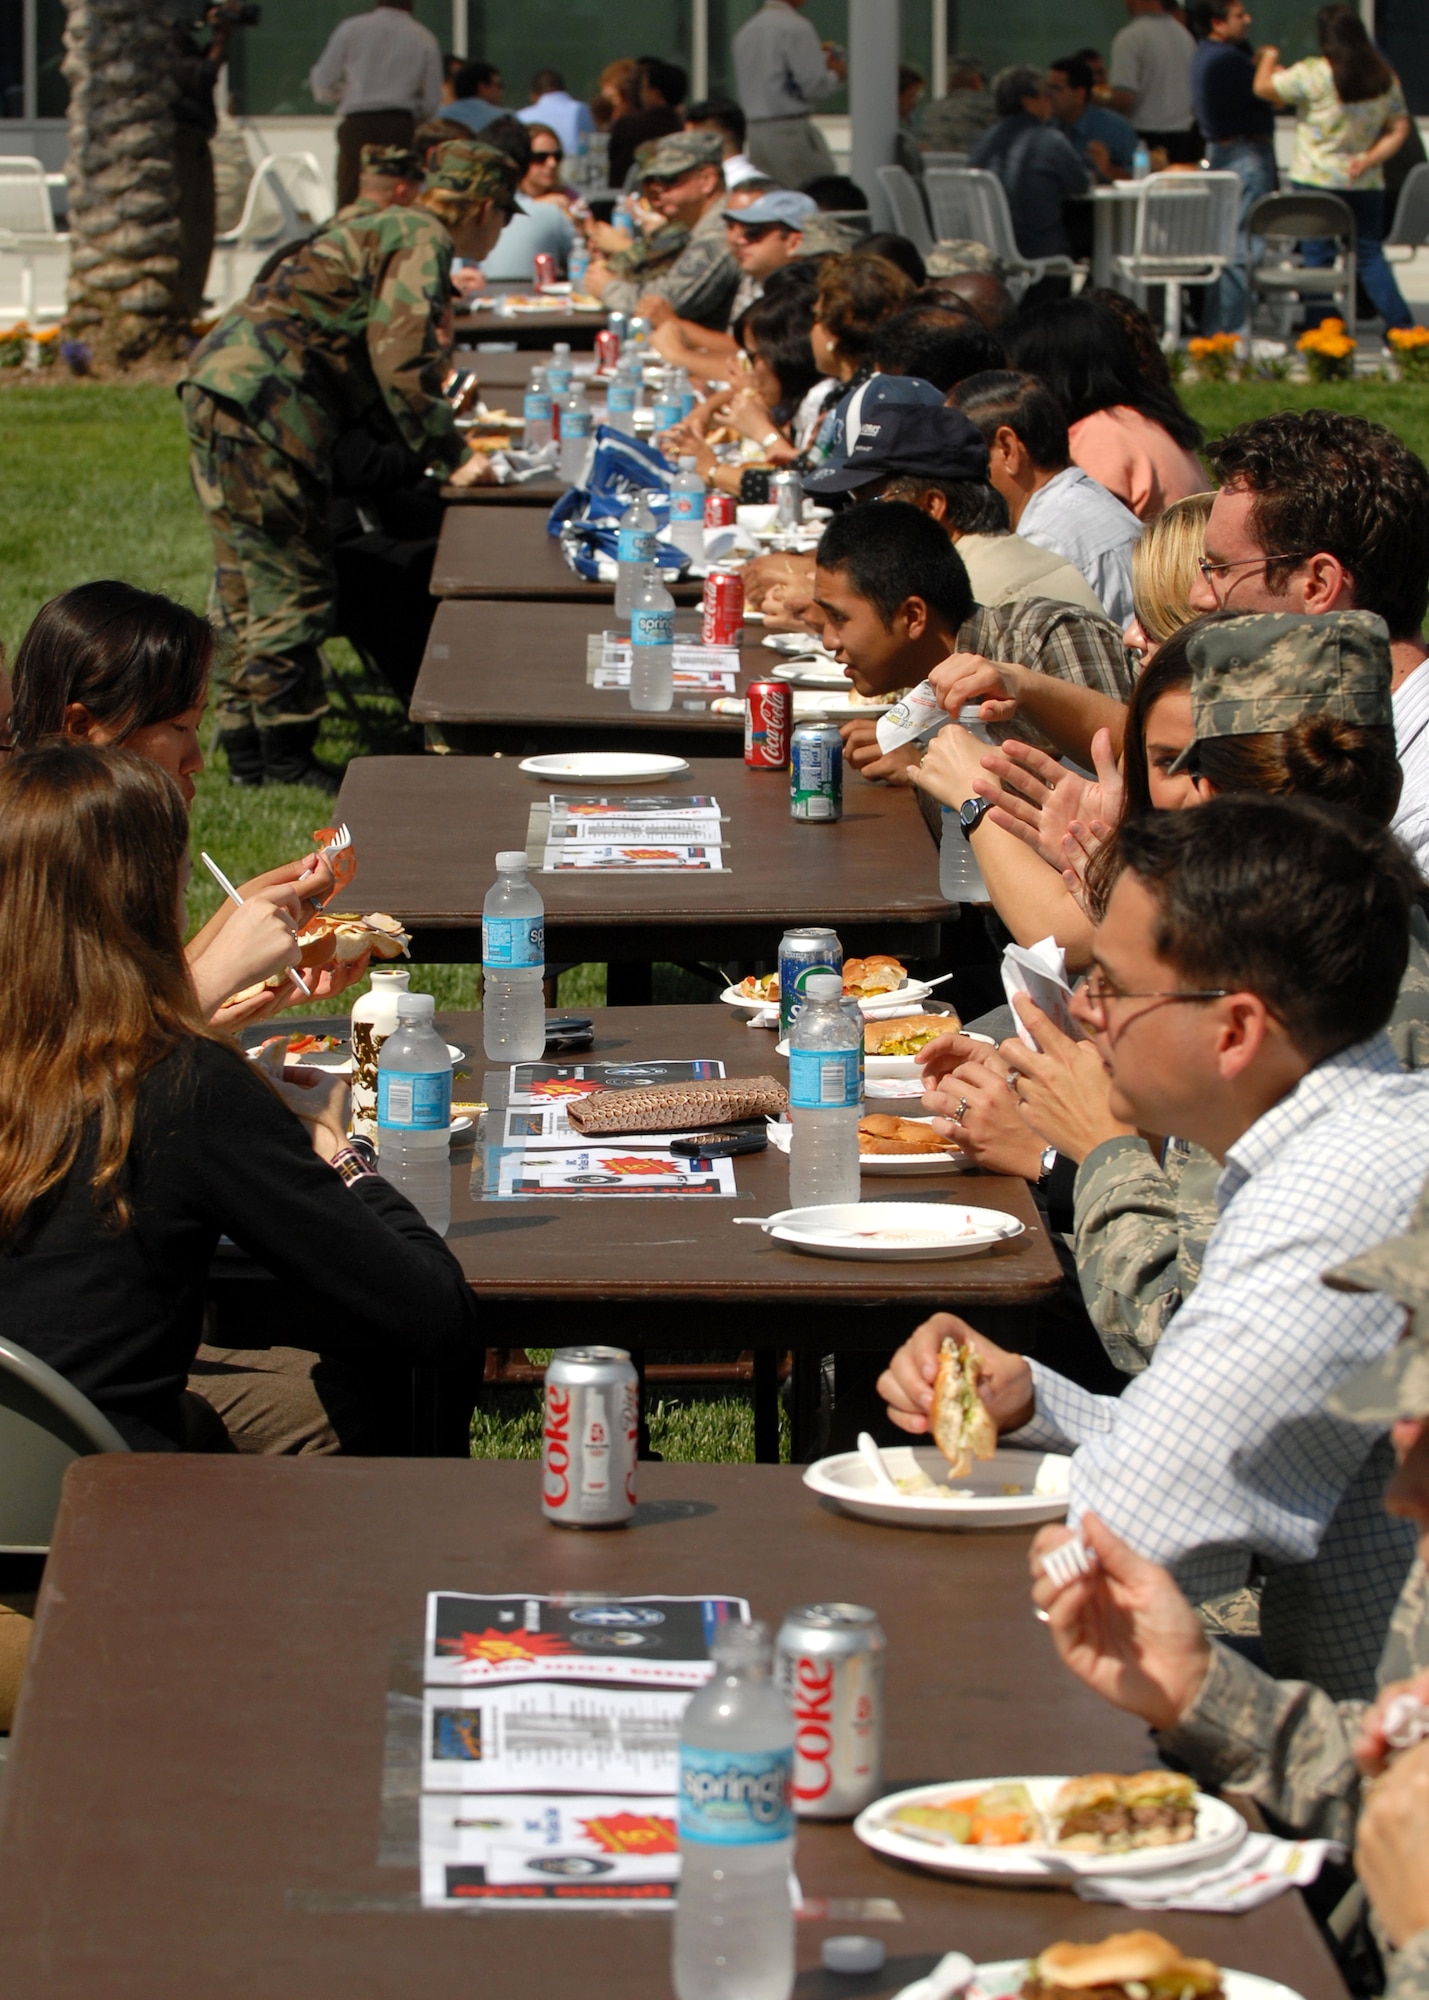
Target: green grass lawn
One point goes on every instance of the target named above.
(95, 484)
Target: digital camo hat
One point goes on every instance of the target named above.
(1270, 670)
(1397, 1386)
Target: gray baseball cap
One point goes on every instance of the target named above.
(781, 205)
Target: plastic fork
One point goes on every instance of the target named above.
(233, 896)
(1068, 1561)
(341, 837)
(873, 1458)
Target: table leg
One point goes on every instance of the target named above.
(766, 1406)
(627, 982)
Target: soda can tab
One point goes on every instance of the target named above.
(544, 265)
(637, 331)
(828, 1661)
(723, 607)
(719, 509)
(803, 952)
(768, 724)
(816, 772)
(617, 323)
(786, 490)
(607, 348)
(589, 1436)
(918, 716)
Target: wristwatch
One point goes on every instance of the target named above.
(971, 814)
(350, 1165)
(1047, 1162)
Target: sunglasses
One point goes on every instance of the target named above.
(538, 159)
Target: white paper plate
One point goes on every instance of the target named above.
(911, 989)
(338, 1061)
(1003, 1980)
(799, 646)
(1219, 1829)
(900, 1165)
(603, 767)
(979, 1501)
(893, 1232)
(810, 674)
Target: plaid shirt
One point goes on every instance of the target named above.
(1053, 639)
(1222, 1450)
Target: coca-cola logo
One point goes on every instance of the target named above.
(556, 1456)
(813, 1702)
(776, 742)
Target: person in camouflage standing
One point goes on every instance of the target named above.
(1323, 1768)
(344, 332)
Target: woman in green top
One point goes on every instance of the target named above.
(1350, 117)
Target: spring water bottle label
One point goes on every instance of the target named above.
(513, 941)
(575, 423)
(652, 628)
(635, 545)
(536, 407)
(736, 1798)
(823, 1079)
(686, 507)
(410, 1101)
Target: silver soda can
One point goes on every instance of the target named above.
(787, 492)
(816, 772)
(589, 1434)
(829, 1665)
(801, 952)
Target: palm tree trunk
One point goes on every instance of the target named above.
(123, 200)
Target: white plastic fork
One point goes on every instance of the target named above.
(342, 838)
(1068, 1561)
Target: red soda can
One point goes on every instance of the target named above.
(719, 509)
(545, 265)
(724, 608)
(607, 348)
(768, 719)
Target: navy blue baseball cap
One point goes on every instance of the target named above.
(899, 425)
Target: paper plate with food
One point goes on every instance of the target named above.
(892, 1231)
(869, 980)
(891, 1048)
(1011, 1489)
(891, 1145)
(1121, 1967)
(1045, 1829)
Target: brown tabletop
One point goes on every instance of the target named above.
(543, 493)
(534, 329)
(506, 552)
(502, 371)
(512, 677)
(193, 1801)
(427, 830)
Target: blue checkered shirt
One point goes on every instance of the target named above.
(1222, 1451)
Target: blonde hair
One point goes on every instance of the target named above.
(1163, 566)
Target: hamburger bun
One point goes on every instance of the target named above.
(881, 1132)
(890, 1037)
(1127, 1957)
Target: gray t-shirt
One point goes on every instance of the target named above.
(1152, 57)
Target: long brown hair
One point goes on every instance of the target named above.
(1359, 70)
(130, 656)
(96, 989)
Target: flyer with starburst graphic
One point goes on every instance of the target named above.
(472, 1641)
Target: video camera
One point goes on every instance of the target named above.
(233, 13)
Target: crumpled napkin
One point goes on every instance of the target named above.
(1261, 1868)
(1039, 970)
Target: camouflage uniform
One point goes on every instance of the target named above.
(344, 333)
(1286, 1744)
(700, 283)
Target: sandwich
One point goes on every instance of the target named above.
(908, 1036)
(335, 940)
(1130, 1965)
(1105, 1814)
(878, 973)
(961, 1425)
(881, 1132)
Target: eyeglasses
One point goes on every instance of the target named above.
(752, 232)
(1210, 570)
(540, 159)
(1098, 989)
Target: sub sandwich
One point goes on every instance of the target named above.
(961, 1424)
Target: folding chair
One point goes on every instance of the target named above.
(45, 1424)
(1185, 235)
(1284, 220)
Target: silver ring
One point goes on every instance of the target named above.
(963, 1103)
(1042, 1617)
(1013, 1078)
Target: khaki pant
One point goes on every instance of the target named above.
(791, 151)
(282, 1401)
(15, 1632)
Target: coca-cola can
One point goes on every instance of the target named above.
(724, 608)
(607, 348)
(720, 509)
(786, 490)
(768, 720)
(545, 268)
(829, 1664)
(589, 1434)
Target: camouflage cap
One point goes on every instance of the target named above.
(680, 153)
(398, 163)
(952, 258)
(472, 171)
(1397, 1386)
(1271, 669)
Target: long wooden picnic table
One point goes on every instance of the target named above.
(211, 1786)
(531, 329)
(427, 830)
(505, 552)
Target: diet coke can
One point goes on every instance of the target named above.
(768, 719)
(724, 608)
(588, 1437)
(829, 1665)
(607, 349)
(544, 265)
(720, 509)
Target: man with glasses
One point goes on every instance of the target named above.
(1248, 961)
(1318, 512)
(681, 179)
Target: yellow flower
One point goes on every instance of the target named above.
(1409, 338)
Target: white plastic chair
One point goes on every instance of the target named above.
(1410, 227)
(1185, 235)
(940, 161)
(909, 215)
(969, 204)
(287, 197)
(30, 246)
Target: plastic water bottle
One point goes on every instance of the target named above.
(669, 406)
(1140, 161)
(414, 1111)
(575, 435)
(536, 409)
(687, 511)
(559, 368)
(620, 400)
(734, 1922)
(578, 264)
(652, 646)
(685, 389)
(635, 541)
(959, 877)
(513, 964)
(823, 1097)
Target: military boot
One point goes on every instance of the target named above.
(244, 750)
(288, 759)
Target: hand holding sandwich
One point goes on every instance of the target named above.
(907, 1384)
(1126, 1630)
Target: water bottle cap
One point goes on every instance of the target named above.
(736, 1645)
(853, 1954)
(512, 861)
(415, 1006)
(561, 347)
(688, 464)
(824, 986)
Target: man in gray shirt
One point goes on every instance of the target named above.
(1035, 161)
(781, 70)
(384, 72)
(1151, 80)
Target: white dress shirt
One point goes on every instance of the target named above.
(1075, 516)
(566, 116)
(780, 69)
(1410, 701)
(380, 61)
(1222, 1450)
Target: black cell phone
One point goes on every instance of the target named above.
(564, 1038)
(720, 1145)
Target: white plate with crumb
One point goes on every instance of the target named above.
(1012, 1489)
(894, 1232)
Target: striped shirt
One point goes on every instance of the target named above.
(1221, 1454)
